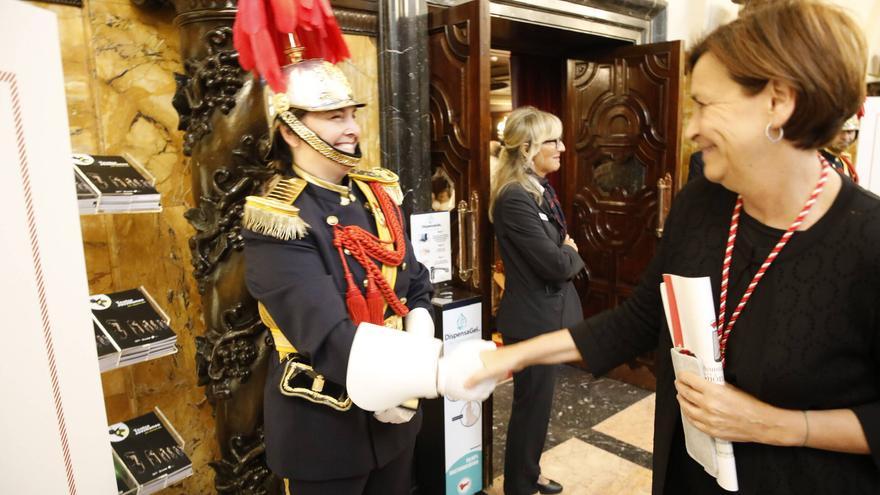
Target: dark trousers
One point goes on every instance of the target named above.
(527, 430)
(394, 478)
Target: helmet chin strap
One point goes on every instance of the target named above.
(316, 143)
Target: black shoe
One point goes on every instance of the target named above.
(549, 487)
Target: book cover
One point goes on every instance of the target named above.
(147, 449)
(103, 342)
(113, 175)
(130, 320)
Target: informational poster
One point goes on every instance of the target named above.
(463, 425)
(432, 243)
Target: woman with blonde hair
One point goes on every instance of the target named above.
(798, 324)
(540, 260)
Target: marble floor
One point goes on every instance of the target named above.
(600, 437)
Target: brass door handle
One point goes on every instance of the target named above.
(469, 239)
(464, 271)
(664, 201)
(475, 239)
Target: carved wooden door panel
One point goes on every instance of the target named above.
(458, 55)
(622, 123)
(458, 50)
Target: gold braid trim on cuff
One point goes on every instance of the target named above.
(317, 143)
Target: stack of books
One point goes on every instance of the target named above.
(129, 328)
(120, 185)
(148, 454)
(108, 351)
(86, 195)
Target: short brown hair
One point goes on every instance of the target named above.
(817, 49)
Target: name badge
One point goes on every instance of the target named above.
(543, 217)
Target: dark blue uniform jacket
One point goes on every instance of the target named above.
(301, 284)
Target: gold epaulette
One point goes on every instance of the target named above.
(389, 180)
(274, 214)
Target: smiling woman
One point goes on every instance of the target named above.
(326, 253)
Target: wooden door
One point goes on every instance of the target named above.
(622, 125)
(458, 51)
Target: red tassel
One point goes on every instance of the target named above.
(357, 305)
(376, 304)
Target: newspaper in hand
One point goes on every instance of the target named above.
(690, 315)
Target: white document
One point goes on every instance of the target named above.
(432, 243)
(690, 315)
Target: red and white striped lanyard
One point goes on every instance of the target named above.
(724, 332)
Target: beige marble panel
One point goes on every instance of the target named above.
(97, 254)
(634, 425)
(77, 76)
(136, 53)
(587, 470)
(119, 63)
(362, 70)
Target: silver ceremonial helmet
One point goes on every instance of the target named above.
(851, 124)
(313, 85)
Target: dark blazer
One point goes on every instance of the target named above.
(809, 338)
(538, 293)
(302, 285)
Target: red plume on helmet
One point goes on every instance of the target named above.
(262, 28)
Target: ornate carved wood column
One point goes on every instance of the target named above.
(221, 113)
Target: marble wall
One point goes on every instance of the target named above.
(119, 62)
(362, 71)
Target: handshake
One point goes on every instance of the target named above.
(387, 367)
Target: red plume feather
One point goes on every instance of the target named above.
(261, 29)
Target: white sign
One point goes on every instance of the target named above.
(431, 240)
(463, 425)
(53, 424)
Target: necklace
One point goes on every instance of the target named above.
(724, 331)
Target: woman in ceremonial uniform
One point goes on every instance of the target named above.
(325, 250)
(324, 231)
(335, 277)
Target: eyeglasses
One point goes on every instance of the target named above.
(557, 143)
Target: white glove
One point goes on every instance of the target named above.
(395, 415)
(456, 367)
(387, 367)
(419, 322)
